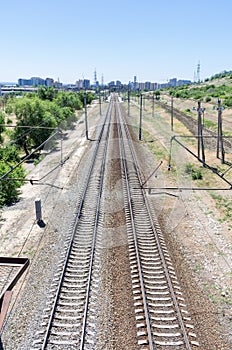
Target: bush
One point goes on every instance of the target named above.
(228, 102)
(189, 168)
(9, 189)
(195, 173)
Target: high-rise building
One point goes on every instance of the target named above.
(148, 85)
(36, 81)
(49, 82)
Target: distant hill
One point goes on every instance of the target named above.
(217, 87)
(224, 74)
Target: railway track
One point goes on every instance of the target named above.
(71, 301)
(191, 124)
(162, 318)
(70, 318)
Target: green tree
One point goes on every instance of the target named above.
(46, 93)
(2, 128)
(69, 99)
(157, 94)
(9, 185)
(32, 112)
(89, 97)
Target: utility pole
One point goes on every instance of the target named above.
(86, 123)
(153, 104)
(200, 147)
(100, 101)
(172, 113)
(219, 135)
(140, 117)
(198, 72)
(129, 99)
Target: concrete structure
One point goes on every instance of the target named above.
(83, 84)
(147, 85)
(37, 81)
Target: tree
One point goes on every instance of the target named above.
(69, 99)
(46, 93)
(32, 112)
(2, 128)
(157, 94)
(9, 189)
(89, 97)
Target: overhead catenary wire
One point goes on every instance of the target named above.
(29, 155)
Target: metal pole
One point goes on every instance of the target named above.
(199, 130)
(86, 122)
(128, 100)
(100, 102)
(219, 136)
(140, 117)
(202, 141)
(153, 105)
(200, 134)
(172, 113)
(218, 129)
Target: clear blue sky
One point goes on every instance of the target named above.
(154, 40)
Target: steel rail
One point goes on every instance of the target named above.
(182, 115)
(180, 318)
(125, 169)
(97, 214)
(78, 215)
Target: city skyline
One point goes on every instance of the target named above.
(154, 41)
(86, 83)
(35, 81)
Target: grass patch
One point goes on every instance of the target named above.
(224, 204)
(198, 268)
(210, 124)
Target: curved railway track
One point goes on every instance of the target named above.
(69, 321)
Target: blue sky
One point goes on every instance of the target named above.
(154, 40)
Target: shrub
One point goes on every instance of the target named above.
(9, 186)
(228, 101)
(195, 173)
(189, 168)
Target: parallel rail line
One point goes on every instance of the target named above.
(69, 321)
(160, 308)
(65, 318)
(191, 124)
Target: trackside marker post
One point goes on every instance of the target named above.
(38, 210)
